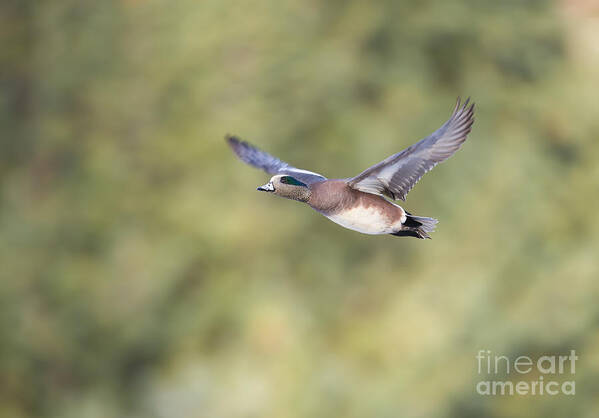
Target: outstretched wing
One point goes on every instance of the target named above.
(272, 165)
(396, 175)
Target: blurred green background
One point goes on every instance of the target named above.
(143, 275)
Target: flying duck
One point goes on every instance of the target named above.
(359, 203)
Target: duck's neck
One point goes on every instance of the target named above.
(301, 194)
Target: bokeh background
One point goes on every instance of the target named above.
(143, 275)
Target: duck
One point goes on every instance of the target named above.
(364, 203)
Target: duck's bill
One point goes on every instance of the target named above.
(268, 187)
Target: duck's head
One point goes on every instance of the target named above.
(287, 186)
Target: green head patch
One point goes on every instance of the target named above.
(292, 181)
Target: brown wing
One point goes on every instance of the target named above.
(396, 175)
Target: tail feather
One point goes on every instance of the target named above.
(416, 226)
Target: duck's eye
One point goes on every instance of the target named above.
(285, 180)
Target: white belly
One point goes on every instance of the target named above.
(367, 220)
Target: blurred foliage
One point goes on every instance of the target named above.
(143, 276)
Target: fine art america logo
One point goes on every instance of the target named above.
(553, 375)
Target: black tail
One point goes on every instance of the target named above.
(416, 226)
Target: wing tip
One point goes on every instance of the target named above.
(464, 108)
(238, 145)
(242, 149)
(232, 139)
(463, 114)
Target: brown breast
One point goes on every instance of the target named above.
(333, 196)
